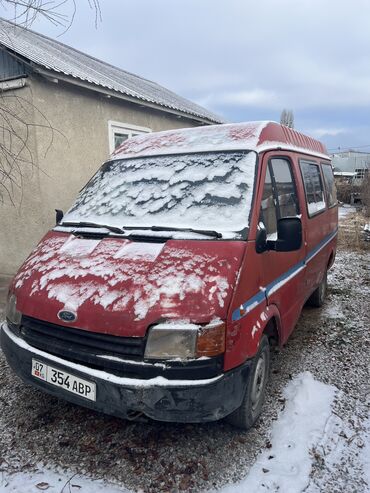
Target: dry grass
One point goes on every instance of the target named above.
(351, 232)
(365, 195)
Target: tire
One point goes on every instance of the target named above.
(250, 409)
(317, 298)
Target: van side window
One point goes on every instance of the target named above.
(268, 209)
(313, 187)
(331, 191)
(279, 197)
(284, 188)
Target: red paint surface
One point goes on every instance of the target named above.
(189, 280)
(245, 271)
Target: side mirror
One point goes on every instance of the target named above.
(58, 215)
(261, 238)
(289, 233)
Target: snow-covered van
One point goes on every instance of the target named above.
(187, 255)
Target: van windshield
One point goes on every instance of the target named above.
(211, 191)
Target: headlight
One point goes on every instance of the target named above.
(12, 314)
(185, 341)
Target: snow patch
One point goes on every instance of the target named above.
(287, 464)
(134, 251)
(79, 247)
(54, 482)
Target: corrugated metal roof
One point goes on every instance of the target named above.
(60, 58)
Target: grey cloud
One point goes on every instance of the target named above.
(241, 58)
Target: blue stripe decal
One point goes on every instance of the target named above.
(261, 296)
(321, 245)
(284, 277)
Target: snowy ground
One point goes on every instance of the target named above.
(303, 429)
(314, 435)
(54, 482)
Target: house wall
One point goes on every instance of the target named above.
(67, 156)
(350, 161)
(19, 179)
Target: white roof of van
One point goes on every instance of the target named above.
(255, 136)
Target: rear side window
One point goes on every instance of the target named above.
(313, 187)
(331, 191)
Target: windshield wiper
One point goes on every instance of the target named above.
(113, 229)
(116, 229)
(205, 232)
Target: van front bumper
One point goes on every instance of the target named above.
(191, 401)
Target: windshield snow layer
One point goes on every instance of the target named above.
(204, 191)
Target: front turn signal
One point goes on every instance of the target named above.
(211, 340)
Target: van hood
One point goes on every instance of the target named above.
(121, 287)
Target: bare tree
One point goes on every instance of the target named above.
(287, 118)
(17, 150)
(58, 12)
(19, 118)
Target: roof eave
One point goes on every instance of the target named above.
(51, 74)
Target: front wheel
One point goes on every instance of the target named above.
(247, 414)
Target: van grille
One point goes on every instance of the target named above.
(123, 356)
(57, 339)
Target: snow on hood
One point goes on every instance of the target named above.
(121, 287)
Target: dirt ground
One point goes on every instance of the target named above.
(332, 343)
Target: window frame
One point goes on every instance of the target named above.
(274, 188)
(322, 164)
(123, 128)
(267, 170)
(318, 164)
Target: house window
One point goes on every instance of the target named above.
(361, 173)
(119, 132)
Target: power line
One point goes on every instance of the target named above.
(348, 148)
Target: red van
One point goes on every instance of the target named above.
(185, 257)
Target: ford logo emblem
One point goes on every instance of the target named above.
(67, 316)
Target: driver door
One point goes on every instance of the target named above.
(283, 272)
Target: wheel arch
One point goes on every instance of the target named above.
(331, 260)
(273, 326)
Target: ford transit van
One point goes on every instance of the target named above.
(182, 261)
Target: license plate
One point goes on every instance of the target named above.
(65, 380)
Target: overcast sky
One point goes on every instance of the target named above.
(244, 59)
